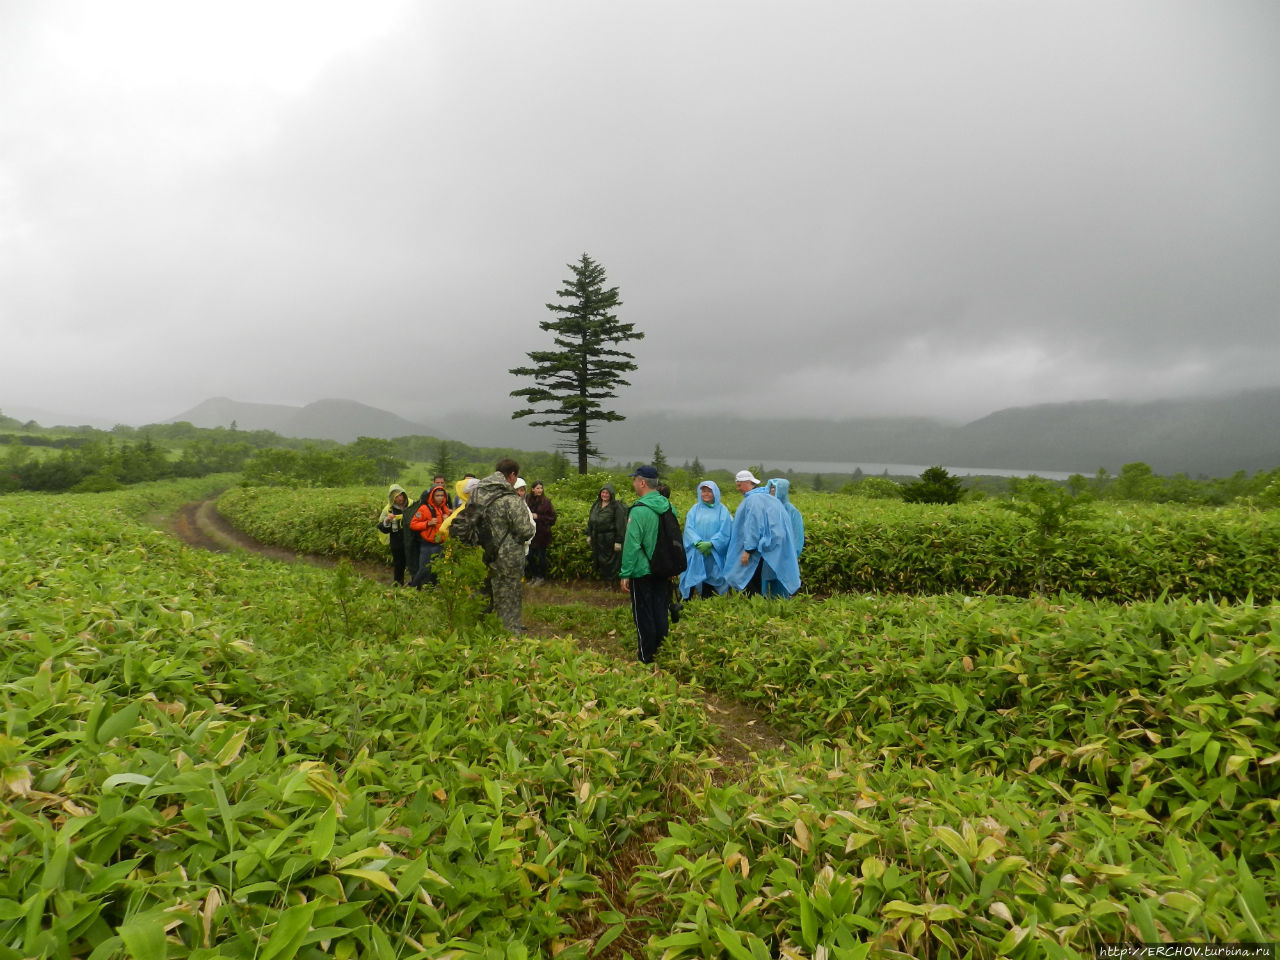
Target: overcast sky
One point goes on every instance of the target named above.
(835, 209)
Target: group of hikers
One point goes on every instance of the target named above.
(417, 533)
(754, 551)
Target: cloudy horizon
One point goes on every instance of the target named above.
(838, 210)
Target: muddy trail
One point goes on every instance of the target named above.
(744, 730)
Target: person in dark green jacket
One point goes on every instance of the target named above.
(606, 527)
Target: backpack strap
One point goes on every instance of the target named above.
(506, 534)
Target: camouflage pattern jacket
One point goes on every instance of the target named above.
(508, 518)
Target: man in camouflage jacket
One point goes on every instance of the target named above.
(512, 528)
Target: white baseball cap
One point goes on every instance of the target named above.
(745, 476)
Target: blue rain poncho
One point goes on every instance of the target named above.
(710, 522)
(762, 528)
(780, 488)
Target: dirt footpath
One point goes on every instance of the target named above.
(746, 731)
(201, 525)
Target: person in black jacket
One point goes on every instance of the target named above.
(391, 522)
(544, 518)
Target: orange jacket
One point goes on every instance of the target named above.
(428, 517)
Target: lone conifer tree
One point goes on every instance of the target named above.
(660, 461)
(586, 368)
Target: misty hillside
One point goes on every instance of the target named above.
(345, 420)
(876, 440)
(223, 412)
(1213, 436)
(341, 420)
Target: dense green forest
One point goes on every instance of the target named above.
(87, 459)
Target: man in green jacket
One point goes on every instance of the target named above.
(649, 594)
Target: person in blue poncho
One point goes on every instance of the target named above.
(707, 528)
(780, 488)
(762, 542)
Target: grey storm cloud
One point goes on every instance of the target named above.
(853, 208)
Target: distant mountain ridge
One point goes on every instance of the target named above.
(340, 420)
(1212, 436)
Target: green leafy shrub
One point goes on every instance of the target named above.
(460, 586)
(983, 774)
(935, 485)
(1053, 512)
(586, 487)
(206, 755)
(211, 755)
(879, 546)
(97, 483)
(1119, 553)
(874, 488)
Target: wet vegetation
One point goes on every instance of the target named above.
(1013, 732)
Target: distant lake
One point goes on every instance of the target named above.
(868, 469)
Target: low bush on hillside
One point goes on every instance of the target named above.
(854, 545)
(207, 755)
(219, 756)
(984, 778)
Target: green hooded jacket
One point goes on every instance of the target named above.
(642, 534)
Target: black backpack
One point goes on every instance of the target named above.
(668, 558)
(473, 527)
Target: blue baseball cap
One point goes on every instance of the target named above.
(649, 473)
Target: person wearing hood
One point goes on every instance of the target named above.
(606, 529)
(544, 518)
(450, 499)
(512, 528)
(707, 528)
(780, 489)
(432, 510)
(461, 493)
(761, 543)
(391, 522)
